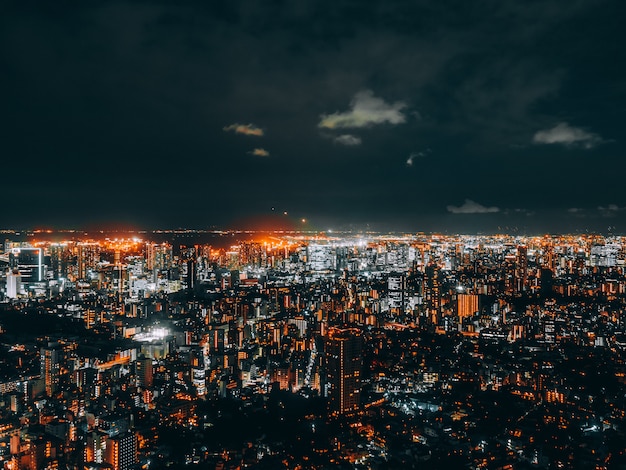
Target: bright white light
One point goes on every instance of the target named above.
(160, 332)
(155, 334)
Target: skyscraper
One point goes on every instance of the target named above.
(87, 257)
(432, 293)
(51, 367)
(344, 361)
(521, 273)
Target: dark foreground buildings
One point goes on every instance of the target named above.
(385, 351)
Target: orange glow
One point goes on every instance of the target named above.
(266, 223)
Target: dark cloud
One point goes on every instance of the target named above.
(472, 207)
(511, 97)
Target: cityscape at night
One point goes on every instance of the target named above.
(312, 350)
(312, 234)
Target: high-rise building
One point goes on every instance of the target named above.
(121, 451)
(521, 274)
(432, 292)
(59, 260)
(143, 372)
(509, 274)
(159, 256)
(14, 283)
(29, 261)
(87, 257)
(396, 286)
(467, 305)
(51, 357)
(320, 257)
(95, 446)
(344, 362)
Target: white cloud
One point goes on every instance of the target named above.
(365, 110)
(246, 129)
(348, 139)
(471, 207)
(414, 155)
(565, 134)
(260, 152)
(610, 207)
(611, 210)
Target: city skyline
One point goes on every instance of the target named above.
(350, 351)
(472, 118)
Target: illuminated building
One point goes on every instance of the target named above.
(198, 370)
(521, 273)
(510, 271)
(156, 343)
(216, 340)
(51, 357)
(604, 255)
(88, 256)
(251, 254)
(121, 451)
(14, 283)
(159, 256)
(549, 331)
(344, 361)
(95, 446)
(85, 377)
(59, 260)
(396, 285)
(114, 424)
(432, 292)
(143, 372)
(29, 261)
(90, 317)
(467, 305)
(320, 257)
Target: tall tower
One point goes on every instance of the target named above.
(51, 367)
(344, 362)
(432, 292)
(88, 256)
(521, 274)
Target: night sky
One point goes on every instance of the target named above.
(453, 116)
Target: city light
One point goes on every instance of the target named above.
(423, 340)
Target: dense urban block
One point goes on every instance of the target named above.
(292, 349)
